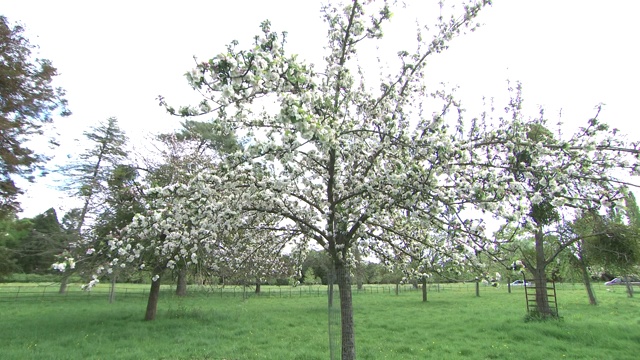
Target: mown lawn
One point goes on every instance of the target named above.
(453, 324)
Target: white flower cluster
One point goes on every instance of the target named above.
(67, 263)
(91, 284)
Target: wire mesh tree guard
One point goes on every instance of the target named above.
(335, 323)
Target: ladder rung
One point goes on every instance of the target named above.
(533, 288)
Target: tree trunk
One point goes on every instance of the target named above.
(424, 289)
(346, 313)
(112, 289)
(477, 288)
(629, 286)
(542, 298)
(509, 284)
(87, 201)
(540, 277)
(359, 271)
(181, 286)
(152, 304)
(587, 280)
(258, 283)
(63, 284)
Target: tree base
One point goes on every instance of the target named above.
(537, 316)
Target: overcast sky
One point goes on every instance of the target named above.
(115, 57)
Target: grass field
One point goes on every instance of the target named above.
(453, 324)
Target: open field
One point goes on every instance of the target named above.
(454, 324)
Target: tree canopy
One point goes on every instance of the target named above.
(28, 101)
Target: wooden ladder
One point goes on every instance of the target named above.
(530, 296)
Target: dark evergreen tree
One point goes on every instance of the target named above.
(38, 249)
(88, 176)
(28, 101)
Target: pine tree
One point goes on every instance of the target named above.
(88, 176)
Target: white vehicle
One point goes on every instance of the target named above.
(521, 283)
(621, 281)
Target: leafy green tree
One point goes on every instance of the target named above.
(615, 243)
(7, 261)
(28, 102)
(632, 210)
(38, 249)
(609, 242)
(310, 277)
(584, 226)
(123, 199)
(319, 263)
(374, 273)
(12, 232)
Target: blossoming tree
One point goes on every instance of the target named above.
(187, 226)
(420, 251)
(345, 160)
(552, 177)
(180, 156)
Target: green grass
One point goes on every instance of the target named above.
(454, 324)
